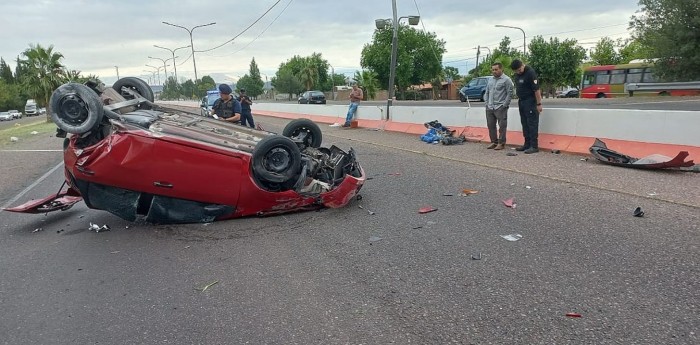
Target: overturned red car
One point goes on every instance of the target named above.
(140, 160)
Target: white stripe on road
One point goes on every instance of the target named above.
(31, 186)
(31, 150)
(642, 103)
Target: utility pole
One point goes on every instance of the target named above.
(478, 51)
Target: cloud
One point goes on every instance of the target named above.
(94, 36)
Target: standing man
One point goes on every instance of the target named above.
(226, 107)
(498, 93)
(246, 112)
(529, 104)
(356, 96)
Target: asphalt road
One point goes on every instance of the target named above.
(343, 276)
(24, 120)
(640, 103)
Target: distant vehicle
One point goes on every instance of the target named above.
(42, 111)
(208, 102)
(30, 108)
(609, 81)
(312, 97)
(16, 113)
(568, 93)
(475, 89)
(6, 116)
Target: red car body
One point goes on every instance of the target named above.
(188, 169)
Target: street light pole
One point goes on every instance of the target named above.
(194, 63)
(332, 82)
(158, 70)
(117, 68)
(165, 69)
(172, 51)
(515, 27)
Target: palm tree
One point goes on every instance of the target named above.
(44, 73)
(309, 75)
(367, 80)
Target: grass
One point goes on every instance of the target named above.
(22, 131)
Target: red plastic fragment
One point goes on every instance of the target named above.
(573, 314)
(509, 202)
(427, 209)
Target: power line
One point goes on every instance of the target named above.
(261, 33)
(244, 30)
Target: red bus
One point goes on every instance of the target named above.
(609, 81)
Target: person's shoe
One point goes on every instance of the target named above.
(500, 147)
(521, 148)
(492, 146)
(346, 125)
(531, 150)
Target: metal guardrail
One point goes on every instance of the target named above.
(690, 85)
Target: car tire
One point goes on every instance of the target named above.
(276, 159)
(305, 130)
(481, 98)
(75, 108)
(138, 85)
(462, 99)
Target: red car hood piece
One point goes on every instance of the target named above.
(61, 201)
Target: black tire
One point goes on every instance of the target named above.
(75, 108)
(461, 98)
(664, 94)
(135, 84)
(482, 96)
(600, 95)
(276, 159)
(305, 131)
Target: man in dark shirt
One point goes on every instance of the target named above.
(226, 107)
(246, 112)
(529, 103)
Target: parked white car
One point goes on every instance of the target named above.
(15, 113)
(6, 116)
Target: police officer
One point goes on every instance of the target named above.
(226, 108)
(529, 104)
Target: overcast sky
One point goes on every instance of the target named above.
(96, 35)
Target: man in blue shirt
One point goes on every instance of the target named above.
(246, 112)
(529, 104)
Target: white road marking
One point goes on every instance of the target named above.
(31, 150)
(31, 186)
(642, 103)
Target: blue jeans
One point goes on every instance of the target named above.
(351, 112)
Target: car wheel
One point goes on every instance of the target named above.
(76, 109)
(462, 99)
(276, 159)
(481, 98)
(135, 84)
(600, 95)
(304, 130)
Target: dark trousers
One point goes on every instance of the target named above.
(530, 119)
(247, 116)
(499, 116)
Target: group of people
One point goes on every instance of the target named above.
(233, 109)
(497, 96)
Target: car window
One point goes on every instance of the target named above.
(482, 82)
(472, 83)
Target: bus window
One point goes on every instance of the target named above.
(649, 76)
(588, 79)
(602, 77)
(634, 75)
(618, 76)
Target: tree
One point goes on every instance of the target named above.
(312, 70)
(632, 49)
(670, 29)
(309, 75)
(555, 62)
(203, 85)
(604, 53)
(6, 72)
(76, 77)
(189, 89)
(44, 73)
(367, 81)
(419, 56)
(451, 73)
(286, 82)
(171, 89)
(255, 86)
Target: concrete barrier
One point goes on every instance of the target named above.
(633, 132)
